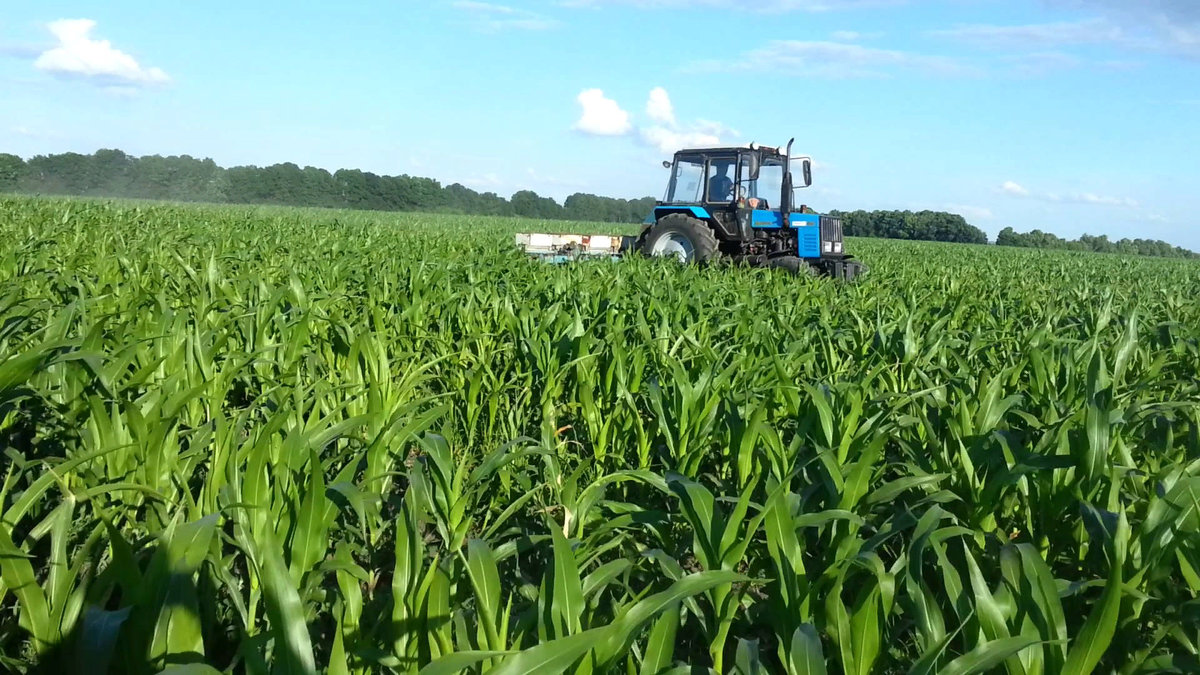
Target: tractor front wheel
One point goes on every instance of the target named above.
(793, 265)
(681, 236)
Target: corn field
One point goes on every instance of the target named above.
(286, 441)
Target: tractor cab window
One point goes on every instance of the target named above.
(720, 180)
(687, 182)
(768, 187)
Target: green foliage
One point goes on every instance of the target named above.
(12, 169)
(915, 226)
(1038, 239)
(112, 173)
(278, 440)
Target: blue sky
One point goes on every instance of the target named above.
(1071, 116)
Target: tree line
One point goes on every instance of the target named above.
(113, 173)
(917, 226)
(1038, 239)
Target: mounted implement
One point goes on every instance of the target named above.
(559, 248)
(718, 207)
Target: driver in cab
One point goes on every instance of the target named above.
(721, 188)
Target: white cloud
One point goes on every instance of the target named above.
(852, 36)
(1088, 31)
(35, 132)
(1174, 11)
(833, 60)
(491, 18)
(1184, 39)
(1179, 8)
(1039, 64)
(659, 108)
(1013, 190)
(604, 117)
(668, 141)
(1089, 198)
(601, 116)
(78, 55)
(665, 136)
(715, 129)
(1169, 27)
(1162, 26)
(968, 212)
(1153, 218)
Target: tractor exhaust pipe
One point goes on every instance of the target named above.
(785, 199)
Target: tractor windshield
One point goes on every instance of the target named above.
(769, 185)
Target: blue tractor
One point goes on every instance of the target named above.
(737, 203)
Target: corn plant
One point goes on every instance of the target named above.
(263, 440)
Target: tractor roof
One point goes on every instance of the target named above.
(710, 150)
(723, 149)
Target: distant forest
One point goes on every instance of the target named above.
(113, 173)
(918, 225)
(1101, 244)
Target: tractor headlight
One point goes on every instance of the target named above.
(829, 247)
(837, 247)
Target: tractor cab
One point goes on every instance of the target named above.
(738, 202)
(731, 177)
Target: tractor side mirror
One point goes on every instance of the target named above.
(807, 170)
(752, 166)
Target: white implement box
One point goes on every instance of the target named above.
(563, 247)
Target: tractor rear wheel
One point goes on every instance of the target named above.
(686, 238)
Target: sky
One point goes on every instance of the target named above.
(1070, 116)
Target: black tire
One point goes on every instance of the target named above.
(698, 233)
(793, 265)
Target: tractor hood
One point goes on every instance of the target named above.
(767, 219)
